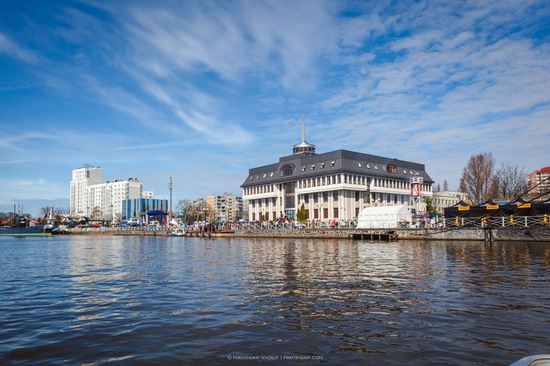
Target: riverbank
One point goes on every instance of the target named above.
(470, 234)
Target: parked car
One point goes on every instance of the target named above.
(300, 225)
(132, 222)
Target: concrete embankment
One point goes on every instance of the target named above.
(474, 234)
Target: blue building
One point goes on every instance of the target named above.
(131, 208)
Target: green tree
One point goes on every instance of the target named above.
(301, 214)
(429, 206)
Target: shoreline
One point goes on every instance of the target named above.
(537, 234)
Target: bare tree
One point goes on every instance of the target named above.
(478, 179)
(445, 185)
(195, 210)
(511, 181)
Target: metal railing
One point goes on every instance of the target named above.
(497, 221)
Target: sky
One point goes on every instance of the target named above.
(202, 91)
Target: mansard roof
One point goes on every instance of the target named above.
(306, 165)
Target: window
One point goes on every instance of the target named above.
(304, 168)
(332, 163)
(312, 166)
(335, 196)
(265, 175)
(271, 174)
(287, 170)
(251, 177)
(315, 197)
(368, 166)
(376, 167)
(325, 196)
(391, 169)
(359, 165)
(322, 165)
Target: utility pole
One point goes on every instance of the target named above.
(170, 188)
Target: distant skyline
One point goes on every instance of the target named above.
(204, 90)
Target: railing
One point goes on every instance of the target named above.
(497, 221)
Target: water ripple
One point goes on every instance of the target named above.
(118, 300)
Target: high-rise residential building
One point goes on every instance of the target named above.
(226, 207)
(443, 199)
(90, 197)
(333, 186)
(539, 182)
(82, 178)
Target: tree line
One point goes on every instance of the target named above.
(481, 181)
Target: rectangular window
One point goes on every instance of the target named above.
(325, 196)
(315, 213)
(325, 213)
(357, 195)
(315, 197)
(335, 196)
(335, 212)
(307, 214)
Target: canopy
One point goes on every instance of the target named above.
(155, 212)
(383, 217)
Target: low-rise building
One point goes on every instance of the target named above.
(443, 199)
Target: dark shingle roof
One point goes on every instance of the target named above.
(338, 161)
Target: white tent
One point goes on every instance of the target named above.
(383, 217)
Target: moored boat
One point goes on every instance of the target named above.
(37, 230)
(178, 232)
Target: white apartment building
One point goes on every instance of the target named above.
(332, 186)
(82, 178)
(93, 198)
(443, 199)
(106, 198)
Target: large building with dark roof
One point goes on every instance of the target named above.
(335, 185)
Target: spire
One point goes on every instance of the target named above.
(303, 147)
(303, 129)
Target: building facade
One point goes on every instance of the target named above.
(539, 182)
(225, 208)
(90, 197)
(443, 199)
(332, 186)
(82, 178)
(132, 208)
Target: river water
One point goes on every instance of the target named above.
(125, 300)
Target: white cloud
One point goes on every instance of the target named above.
(13, 49)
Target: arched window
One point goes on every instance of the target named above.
(287, 170)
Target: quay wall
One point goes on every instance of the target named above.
(474, 234)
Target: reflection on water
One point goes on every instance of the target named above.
(172, 300)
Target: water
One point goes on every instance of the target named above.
(122, 300)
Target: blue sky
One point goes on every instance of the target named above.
(204, 90)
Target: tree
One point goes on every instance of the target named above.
(445, 185)
(429, 206)
(478, 179)
(511, 181)
(301, 214)
(438, 188)
(195, 210)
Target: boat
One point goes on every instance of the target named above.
(178, 232)
(37, 230)
(20, 226)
